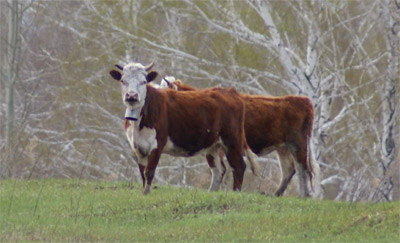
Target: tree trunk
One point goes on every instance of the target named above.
(9, 67)
(390, 115)
(10, 115)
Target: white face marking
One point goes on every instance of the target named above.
(134, 81)
(168, 82)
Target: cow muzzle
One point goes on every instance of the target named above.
(131, 97)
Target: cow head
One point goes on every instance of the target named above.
(176, 84)
(134, 78)
(168, 82)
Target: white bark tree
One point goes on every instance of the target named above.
(311, 62)
(320, 61)
(390, 115)
(11, 49)
(341, 54)
(12, 46)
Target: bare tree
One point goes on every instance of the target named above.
(324, 53)
(12, 46)
(391, 16)
(343, 55)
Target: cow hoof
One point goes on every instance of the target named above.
(146, 190)
(266, 194)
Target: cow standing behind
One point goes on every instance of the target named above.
(180, 123)
(283, 124)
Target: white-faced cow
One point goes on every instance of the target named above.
(283, 124)
(180, 123)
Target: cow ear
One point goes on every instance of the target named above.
(151, 76)
(116, 75)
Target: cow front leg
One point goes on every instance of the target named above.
(141, 169)
(141, 162)
(149, 175)
(150, 170)
(223, 167)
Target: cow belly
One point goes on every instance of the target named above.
(269, 149)
(174, 150)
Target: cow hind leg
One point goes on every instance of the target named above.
(223, 167)
(302, 178)
(235, 159)
(221, 155)
(253, 160)
(287, 169)
(216, 173)
(303, 174)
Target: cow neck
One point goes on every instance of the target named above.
(150, 108)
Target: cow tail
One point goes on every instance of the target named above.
(315, 172)
(310, 163)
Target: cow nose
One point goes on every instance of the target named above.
(131, 96)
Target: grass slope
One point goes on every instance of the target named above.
(71, 210)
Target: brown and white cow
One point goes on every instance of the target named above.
(281, 124)
(180, 123)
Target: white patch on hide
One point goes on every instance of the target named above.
(154, 85)
(166, 81)
(144, 141)
(129, 136)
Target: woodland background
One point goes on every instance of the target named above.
(61, 115)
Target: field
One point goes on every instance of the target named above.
(72, 210)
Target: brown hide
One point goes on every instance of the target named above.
(194, 120)
(272, 121)
(275, 122)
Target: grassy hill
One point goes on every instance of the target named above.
(72, 210)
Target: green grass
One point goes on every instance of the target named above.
(71, 210)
